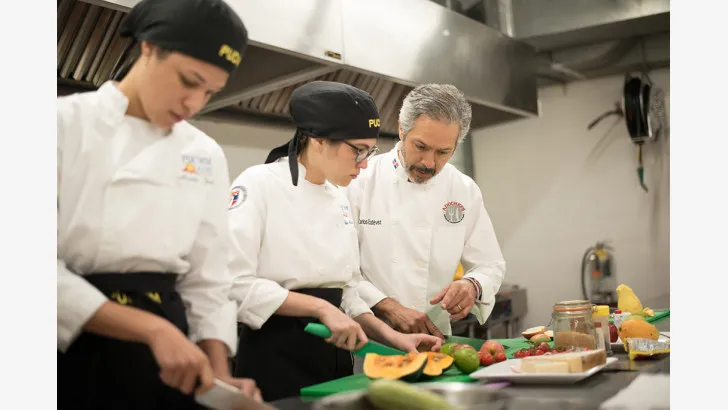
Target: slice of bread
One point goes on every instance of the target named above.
(576, 362)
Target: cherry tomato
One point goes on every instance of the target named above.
(539, 352)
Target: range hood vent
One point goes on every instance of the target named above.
(383, 47)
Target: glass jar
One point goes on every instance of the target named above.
(572, 324)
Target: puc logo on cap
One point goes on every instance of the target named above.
(230, 55)
(374, 122)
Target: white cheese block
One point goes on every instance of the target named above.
(576, 362)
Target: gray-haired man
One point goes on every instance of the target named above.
(418, 217)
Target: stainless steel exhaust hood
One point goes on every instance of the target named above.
(382, 46)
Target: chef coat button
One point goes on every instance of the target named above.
(421, 263)
(394, 260)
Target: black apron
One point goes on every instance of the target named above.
(283, 359)
(97, 372)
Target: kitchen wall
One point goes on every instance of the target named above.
(552, 189)
(247, 144)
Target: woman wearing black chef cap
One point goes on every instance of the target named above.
(144, 319)
(294, 252)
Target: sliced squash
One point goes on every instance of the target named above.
(436, 364)
(408, 367)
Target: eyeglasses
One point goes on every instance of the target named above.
(361, 153)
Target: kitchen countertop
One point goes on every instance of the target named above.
(587, 394)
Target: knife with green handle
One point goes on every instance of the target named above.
(320, 330)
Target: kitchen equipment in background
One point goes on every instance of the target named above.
(504, 321)
(597, 270)
(644, 113)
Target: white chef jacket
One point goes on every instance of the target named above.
(132, 198)
(409, 249)
(285, 237)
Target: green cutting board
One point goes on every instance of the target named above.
(659, 315)
(361, 381)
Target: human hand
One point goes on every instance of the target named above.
(416, 342)
(407, 320)
(457, 298)
(344, 330)
(182, 363)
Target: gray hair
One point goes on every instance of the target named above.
(442, 102)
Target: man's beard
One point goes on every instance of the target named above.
(414, 177)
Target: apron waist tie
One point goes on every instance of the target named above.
(133, 282)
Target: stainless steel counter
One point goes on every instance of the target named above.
(587, 394)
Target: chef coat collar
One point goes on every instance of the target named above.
(115, 103)
(401, 174)
(326, 186)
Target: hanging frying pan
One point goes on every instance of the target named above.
(642, 108)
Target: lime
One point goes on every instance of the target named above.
(447, 348)
(467, 360)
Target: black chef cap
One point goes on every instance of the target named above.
(208, 30)
(330, 110)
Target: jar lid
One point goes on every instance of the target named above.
(601, 310)
(573, 306)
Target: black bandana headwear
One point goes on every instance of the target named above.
(330, 110)
(209, 30)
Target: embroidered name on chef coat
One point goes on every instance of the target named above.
(196, 167)
(370, 222)
(453, 212)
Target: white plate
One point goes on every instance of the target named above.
(502, 372)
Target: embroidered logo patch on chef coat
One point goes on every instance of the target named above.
(453, 212)
(195, 166)
(395, 163)
(347, 215)
(238, 195)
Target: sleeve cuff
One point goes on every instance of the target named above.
(369, 293)
(220, 325)
(260, 304)
(482, 311)
(77, 301)
(352, 304)
(488, 286)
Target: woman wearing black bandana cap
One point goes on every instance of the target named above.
(294, 251)
(144, 319)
